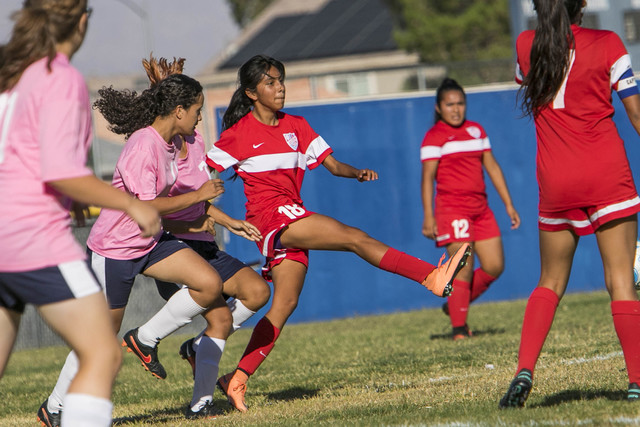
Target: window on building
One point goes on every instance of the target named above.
(356, 84)
(589, 20)
(632, 26)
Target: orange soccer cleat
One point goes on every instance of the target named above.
(233, 386)
(440, 280)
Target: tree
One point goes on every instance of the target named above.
(453, 30)
(245, 10)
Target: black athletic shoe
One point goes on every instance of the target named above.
(208, 412)
(147, 355)
(46, 418)
(633, 395)
(189, 354)
(461, 333)
(518, 390)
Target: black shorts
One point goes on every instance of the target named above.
(224, 264)
(47, 285)
(117, 275)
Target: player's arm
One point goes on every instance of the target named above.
(239, 227)
(90, 190)
(429, 168)
(497, 178)
(167, 205)
(338, 168)
(632, 106)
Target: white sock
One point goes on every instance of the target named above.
(83, 410)
(177, 312)
(239, 312)
(67, 374)
(207, 361)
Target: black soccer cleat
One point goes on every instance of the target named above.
(633, 394)
(189, 354)
(46, 418)
(147, 355)
(518, 390)
(207, 412)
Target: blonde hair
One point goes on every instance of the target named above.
(38, 27)
(159, 69)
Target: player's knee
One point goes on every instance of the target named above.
(258, 296)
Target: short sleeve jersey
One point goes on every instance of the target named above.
(459, 177)
(271, 160)
(45, 134)
(192, 173)
(581, 160)
(146, 169)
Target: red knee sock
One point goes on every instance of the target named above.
(262, 340)
(538, 318)
(480, 283)
(405, 265)
(459, 303)
(626, 319)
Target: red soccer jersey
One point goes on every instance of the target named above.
(459, 177)
(581, 160)
(271, 160)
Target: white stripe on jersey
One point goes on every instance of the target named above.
(79, 279)
(429, 152)
(619, 68)
(221, 158)
(315, 150)
(271, 162)
(614, 208)
(519, 75)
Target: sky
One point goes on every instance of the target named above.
(122, 32)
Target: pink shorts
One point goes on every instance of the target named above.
(270, 245)
(588, 219)
(459, 227)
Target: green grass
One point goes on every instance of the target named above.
(399, 369)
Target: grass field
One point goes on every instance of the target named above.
(399, 369)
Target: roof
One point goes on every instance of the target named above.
(339, 28)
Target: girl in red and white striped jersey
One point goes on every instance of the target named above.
(270, 151)
(452, 149)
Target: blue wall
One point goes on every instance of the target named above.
(385, 135)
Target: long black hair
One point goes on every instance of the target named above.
(550, 52)
(126, 111)
(446, 85)
(249, 75)
(38, 27)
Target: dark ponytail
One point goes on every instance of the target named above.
(550, 52)
(38, 27)
(446, 85)
(126, 111)
(249, 75)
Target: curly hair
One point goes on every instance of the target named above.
(127, 111)
(38, 27)
(158, 69)
(550, 52)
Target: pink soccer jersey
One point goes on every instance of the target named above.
(146, 169)
(459, 177)
(192, 173)
(45, 134)
(271, 160)
(581, 158)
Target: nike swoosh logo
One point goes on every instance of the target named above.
(257, 145)
(147, 358)
(263, 355)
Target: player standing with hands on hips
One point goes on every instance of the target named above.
(45, 134)
(586, 186)
(453, 148)
(270, 151)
